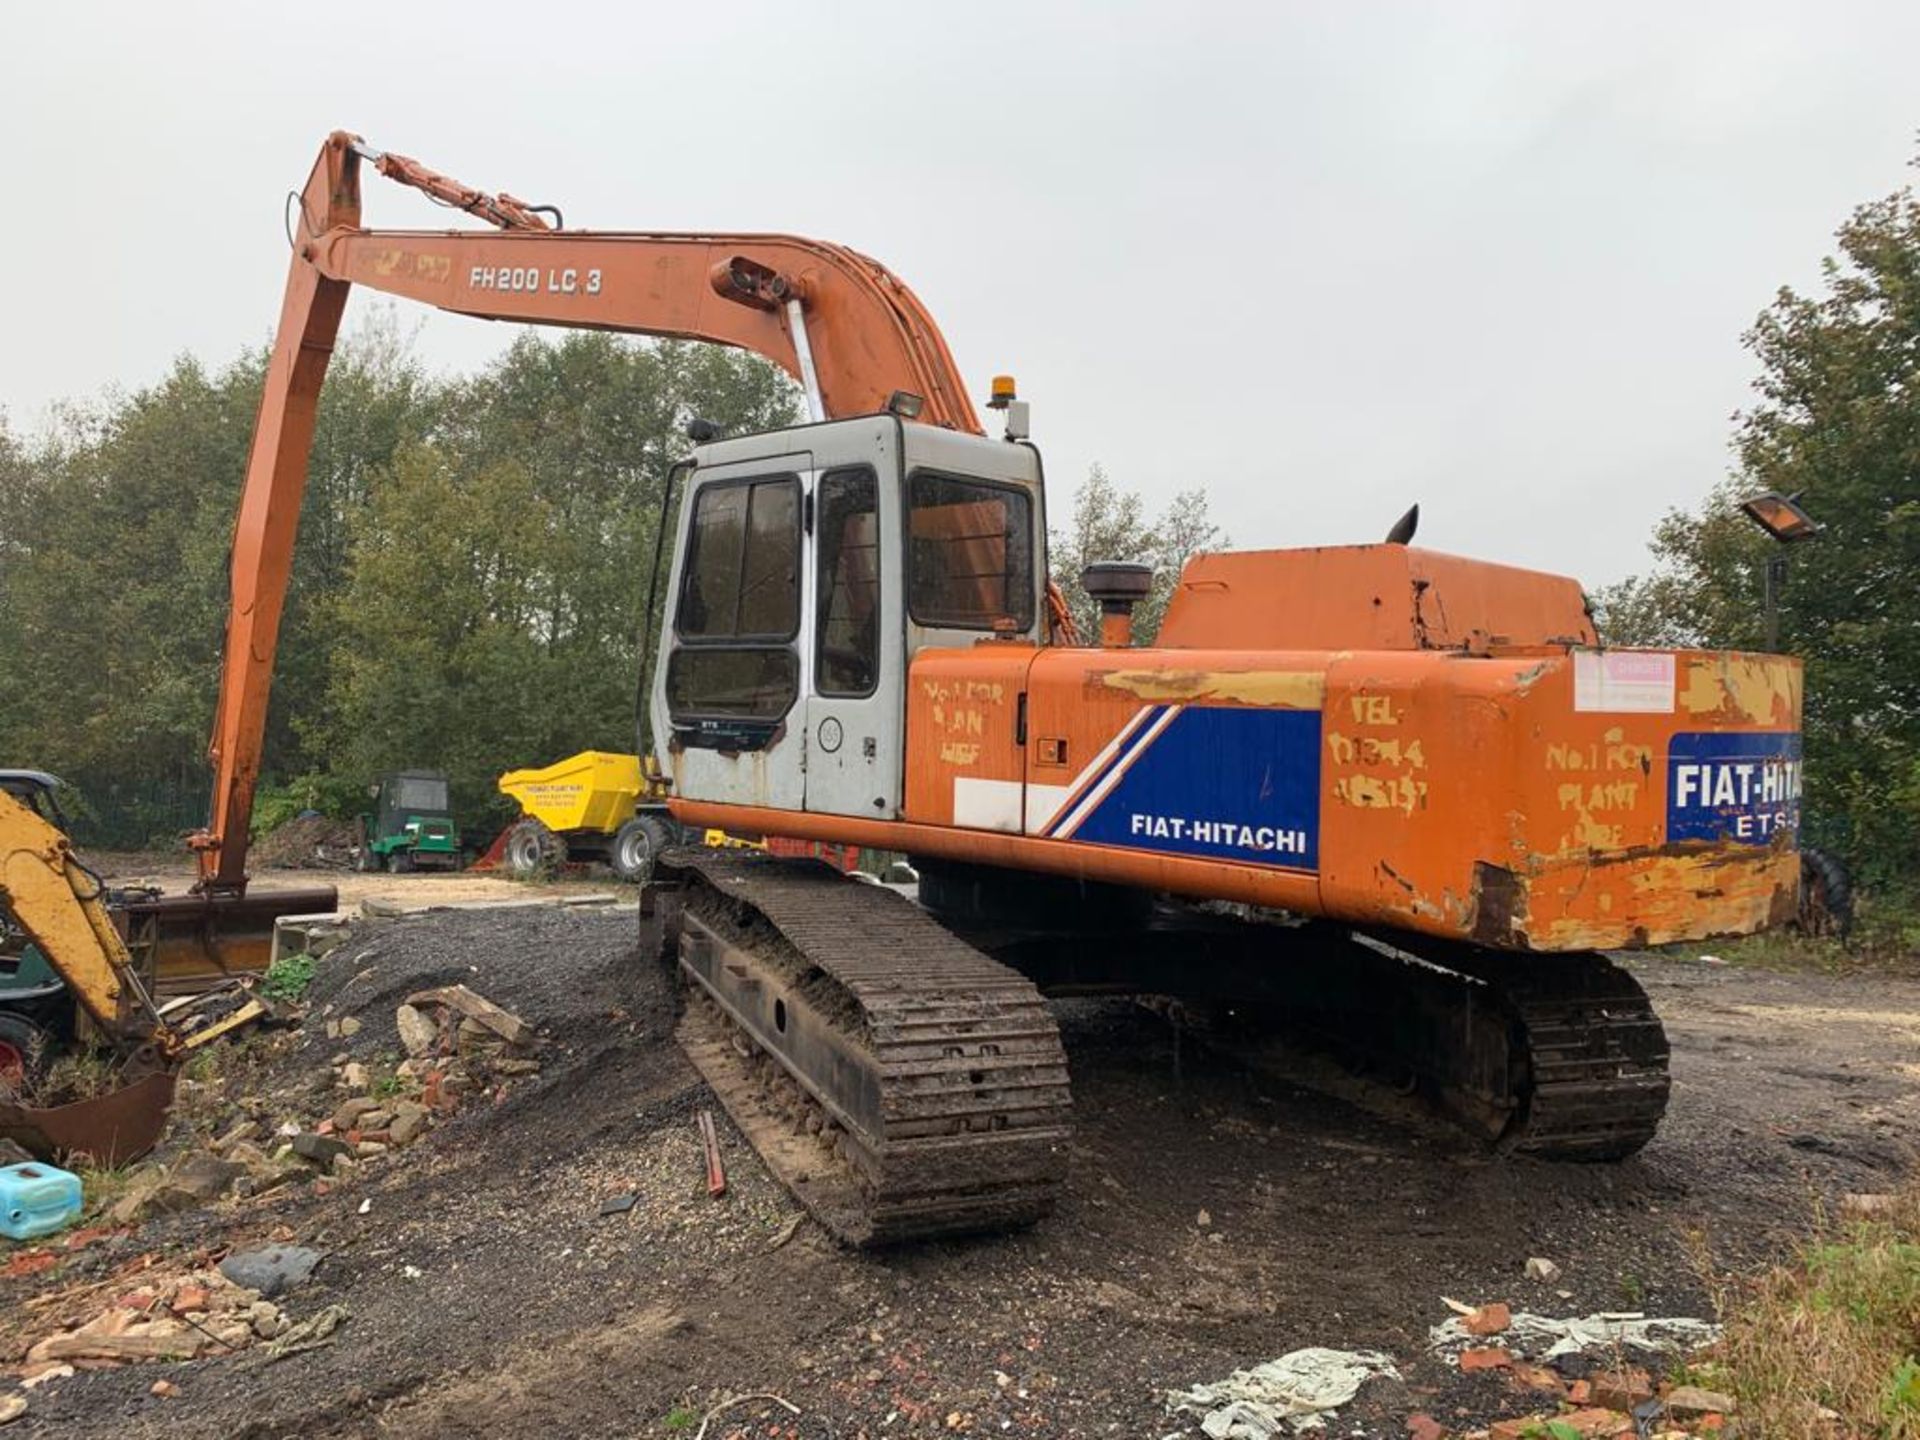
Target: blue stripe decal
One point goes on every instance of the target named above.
(1119, 757)
(1227, 784)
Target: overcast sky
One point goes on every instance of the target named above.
(1324, 260)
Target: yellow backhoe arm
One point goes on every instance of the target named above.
(60, 906)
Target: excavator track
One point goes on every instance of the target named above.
(899, 1082)
(1588, 1056)
(1554, 1055)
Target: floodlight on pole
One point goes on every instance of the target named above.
(1782, 518)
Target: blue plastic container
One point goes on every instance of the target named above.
(37, 1200)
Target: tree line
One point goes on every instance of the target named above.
(471, 566)
(473, 560)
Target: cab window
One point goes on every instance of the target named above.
(756, 683)
(739, 608)
(847, 628)
(743, 562)
(969, 553)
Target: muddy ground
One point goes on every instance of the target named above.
(487, 1295)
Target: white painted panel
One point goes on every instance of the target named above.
(1043, 803)
(987, 804)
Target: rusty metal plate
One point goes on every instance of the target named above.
(110, 1130)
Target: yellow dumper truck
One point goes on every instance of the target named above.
(594, 807)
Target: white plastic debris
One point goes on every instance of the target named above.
(1541, 1337)
(1295, 1392)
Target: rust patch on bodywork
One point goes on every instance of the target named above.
(1499, 904)
(1281, 689)
(1661, 895)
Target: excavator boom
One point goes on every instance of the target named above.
(856, 338)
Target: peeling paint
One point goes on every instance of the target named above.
(1283, 689)
(1666, 895)
(1528, 678)
(1750, 689)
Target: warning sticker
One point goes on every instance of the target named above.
(1623, 682)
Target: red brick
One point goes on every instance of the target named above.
(1488, 1320)
(188, 1297)
(1621, 1389)
(1489, 1358)
(1425, 1427)
(1580, 1392)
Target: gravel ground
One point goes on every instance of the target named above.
(488, 1296)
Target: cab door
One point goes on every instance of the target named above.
(734, 675)
(855, 700)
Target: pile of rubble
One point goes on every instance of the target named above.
(178, 1317)
(307, 841)
(458, 1044)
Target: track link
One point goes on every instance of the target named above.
(902, 1084)
(1590, 1056)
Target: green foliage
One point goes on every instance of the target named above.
(1902, 1400)
(387, 1081)
(1108, 523)
(1837, 419)
(466, 592)
(489, 614)
(337, 796)
(681, 1418)
(287, 978)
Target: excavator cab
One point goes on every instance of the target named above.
(811, 565)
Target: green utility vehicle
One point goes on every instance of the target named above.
(411, 827)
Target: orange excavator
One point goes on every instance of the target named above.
(1390, 801)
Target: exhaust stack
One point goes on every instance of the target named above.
(1118, 585)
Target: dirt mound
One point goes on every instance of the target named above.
(305, 842)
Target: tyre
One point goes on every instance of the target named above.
(365, 861)
(26, 1052)
(636, 845)
(400, 862)
(533, 851)
(1826, 895)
